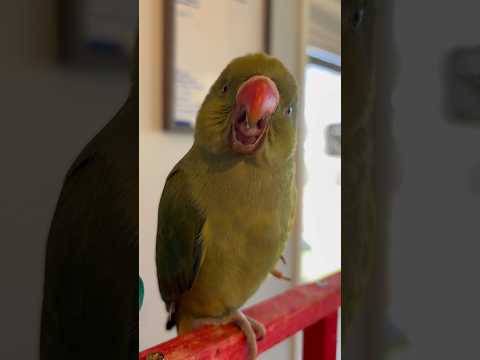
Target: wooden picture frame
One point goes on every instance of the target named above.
(200, 38)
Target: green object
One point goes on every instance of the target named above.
(228, 206)
(140, 292)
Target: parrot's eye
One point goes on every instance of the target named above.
(289, 110)
(224, 89)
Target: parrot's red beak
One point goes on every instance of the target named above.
(256, 100)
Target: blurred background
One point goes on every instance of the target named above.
(432, 254)
(305, 35)
(65, 73)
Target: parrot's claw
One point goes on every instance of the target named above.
(253, 331)
(283, 260)
(279, 275)
(251, 328)
(257, 327)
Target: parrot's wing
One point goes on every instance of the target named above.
(293, 207)
(179, 244)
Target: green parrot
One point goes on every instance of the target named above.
(229, 204)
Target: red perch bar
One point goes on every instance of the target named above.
(312, 308)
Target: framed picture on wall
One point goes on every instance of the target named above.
(201, 38)
(96, 33)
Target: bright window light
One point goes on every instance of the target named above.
(321, 238)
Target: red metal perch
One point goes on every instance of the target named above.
(312, 308)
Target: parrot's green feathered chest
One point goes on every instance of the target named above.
(247, 210)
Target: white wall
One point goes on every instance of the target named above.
(159, 151)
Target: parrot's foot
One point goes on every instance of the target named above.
(279, 275)
(257, 327)
(251, 328)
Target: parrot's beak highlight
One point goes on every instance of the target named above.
(256, 101)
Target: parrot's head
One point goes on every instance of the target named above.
(250, 111)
